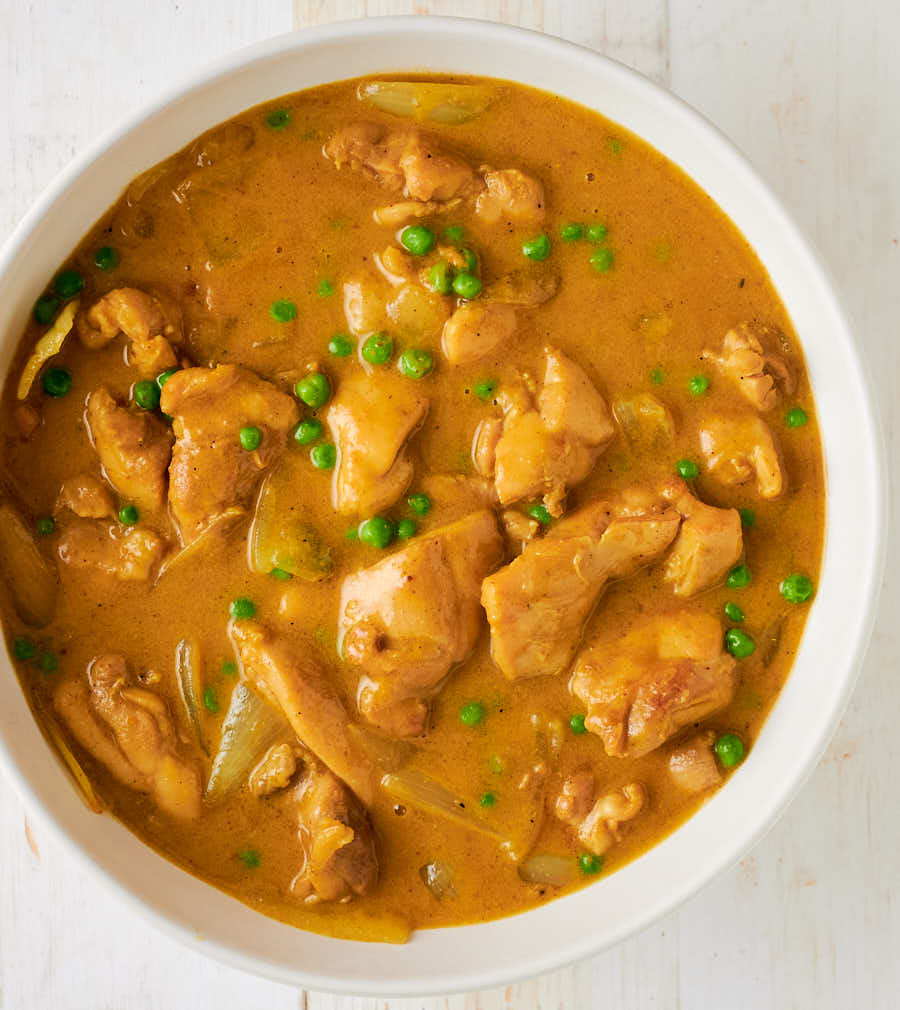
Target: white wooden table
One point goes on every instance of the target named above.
(809, 89)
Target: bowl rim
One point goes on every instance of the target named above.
(871, 441)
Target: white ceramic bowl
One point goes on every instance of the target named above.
(439, 961)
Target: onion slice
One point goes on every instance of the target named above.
(417, 790)
(48, 345)
(440, 103)
(548, 868)
(187, 673)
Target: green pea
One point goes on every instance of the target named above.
(597, 232)
(45, 526)
(146, 394)
(242, 608)
(45, 308)
(23, 648)
(488, 799)
(250, 438)
(323, 456)
(415, 363)
(730, 749)
(164, 377)
(537, 248)
(739, 643)
(128, 515)
(796, 588)
(57, 382)
(495, 763)
(211, 699)
(796, 417)
(698, 385)
(406, 528)
(340, 346)
(748, 517)
(325, 288)
(687, 469)
(738, 577)
(472, 713)
(250, 858)
(68, 283)
(576, 724)
(229, 668)
(278, 119)
(377, 349)
(417, 239)
(439, 279)
(589, 864)
(419, 503)
(734, 613)
(454, 233)
(602, 260)
(314, 390)
(571, 232)
(485, 389)
(48, 662)
(613, 146)
(657, 376)
(376, 532)
(283, 311)
(466, 285)
(540, 513)
(308, 430)
(106, 258)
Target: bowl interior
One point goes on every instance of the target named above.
(837, 631)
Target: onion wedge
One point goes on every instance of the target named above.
(30, 577)
(440, 103)
(48, 345)
(418, 790)
(548, 868)
(187, 673)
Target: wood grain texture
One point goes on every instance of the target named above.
(808, 89)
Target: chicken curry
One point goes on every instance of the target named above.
(412, 501)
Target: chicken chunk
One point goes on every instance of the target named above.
(210, 471)
(762, 375)
(130, 730)
(364, 306)
(134, 449)
(395, 215)
(596, 822)
(130, 554)
(150, 327)
(371, 418)
(709, 543)
(551, 442)
(477, 329)
(740, 448)
(87, 496)
(291, 679)
(275, 771)
(403, 160)
(338, 842)
(692, 765)
(409, 619)
(537, 606)
(510, 197)
(642, 688)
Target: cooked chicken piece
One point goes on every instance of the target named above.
(364, 307)
(395, 215)
(134, 449)
(27, 418)
(275, 771)
(371, 419)
(642, 688)
(709, 543)
(510, 197)
(454, 495)
(740, 448)
(692, 765)
(130, 730)
(338, 842)
(597, 822)
(416, 313)
(484, 446)
(403, 160)
(87, 496)
(290, 678)
(410, 618)
(210, 470)
(761, 374)
(396, 265)
(547, 443)
(518, 528)
(537, 606)
(130, 554)
(477, 329)
(151, 328)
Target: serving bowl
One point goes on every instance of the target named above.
(837, 631)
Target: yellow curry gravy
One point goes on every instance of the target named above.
(253, 213)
